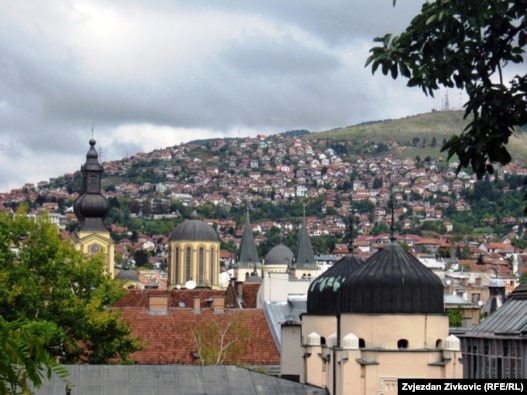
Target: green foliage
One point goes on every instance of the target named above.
(44, 279)
(466, 45)
(25, 358)
(455, 317)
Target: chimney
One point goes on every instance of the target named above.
(197, 304)
(158, 304)
(239, 288)
(218, 304)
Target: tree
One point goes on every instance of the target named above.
(466, 45)
(44, 279)
(24, 355)
(220, 339)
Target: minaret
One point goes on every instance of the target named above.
(91, 207)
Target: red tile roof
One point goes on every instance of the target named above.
(170, 337)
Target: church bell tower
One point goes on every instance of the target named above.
(92, 236)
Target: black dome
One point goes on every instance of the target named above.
(393, 281)
(324, 294)
(93, 205)
(194, 230)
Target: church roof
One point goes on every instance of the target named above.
(91, 207)
(247, 254)
(325, 292)
(279, 255)
(194, 229)
(304, 255)
(127, 275)
(393, 281)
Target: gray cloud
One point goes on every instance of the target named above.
(158, 73)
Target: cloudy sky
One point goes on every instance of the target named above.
(157, 73)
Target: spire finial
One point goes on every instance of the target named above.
(350, 244)
(392, 225)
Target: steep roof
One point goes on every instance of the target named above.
(247, 254)
(304, 255)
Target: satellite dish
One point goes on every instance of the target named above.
(190, 284)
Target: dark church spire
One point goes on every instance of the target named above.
(91, 207)
(304, 256)
(247, 254)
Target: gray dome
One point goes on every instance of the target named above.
(194, 230)
(279, 255)
(393, 281)
(324, 293)
(127, 275)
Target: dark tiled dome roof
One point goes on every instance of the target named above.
(194, 229)
(279, 255)
(127, 275)
(393, 281)
(324, 294)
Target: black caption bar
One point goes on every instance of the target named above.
(503, 387)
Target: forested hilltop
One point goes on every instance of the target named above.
(334, 176)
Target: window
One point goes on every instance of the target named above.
(402, 344)
(177, 265)
(201, 265)
(188, 267)
(212, 267)
(362, 343)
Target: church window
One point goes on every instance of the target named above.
(212, 267)
(188, 266)
(201, 265)
(177, 266)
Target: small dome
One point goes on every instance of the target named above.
(324, 293)
(195, 230)
(350, 342)
(313, 339)
(127, 275)
(452, 343)
(279, 255)
(393, 281)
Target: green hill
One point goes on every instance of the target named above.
(417, 135)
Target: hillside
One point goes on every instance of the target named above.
(412, 135)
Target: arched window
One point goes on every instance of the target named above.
(402, 344)
(177, 265)
(188, 266)
(201, 265)
(212, 267)
(362, 343)
(439, 343)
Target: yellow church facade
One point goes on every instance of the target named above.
(193, 255)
